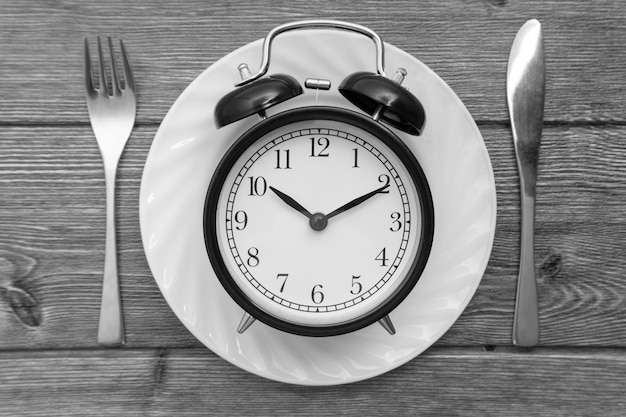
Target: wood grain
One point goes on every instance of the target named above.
(466, 43)
(52, 222)
(443, 381)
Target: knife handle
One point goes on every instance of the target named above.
(526, 318)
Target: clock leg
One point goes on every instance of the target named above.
(246, 321)
(388, 325)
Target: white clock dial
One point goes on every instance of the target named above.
(318, 222)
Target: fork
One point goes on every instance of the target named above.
(112, 114)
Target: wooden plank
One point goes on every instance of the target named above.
(443, 381)
(52, 242)
(466, 43)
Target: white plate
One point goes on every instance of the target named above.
(183, 157)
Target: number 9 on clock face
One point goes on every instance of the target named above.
(318, 221)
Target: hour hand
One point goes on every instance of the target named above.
(291, 202)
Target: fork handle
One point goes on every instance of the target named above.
(111, 326)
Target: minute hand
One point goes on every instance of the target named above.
(356, 201)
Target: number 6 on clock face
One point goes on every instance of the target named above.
(318, 221)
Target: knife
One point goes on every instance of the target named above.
(525, 87)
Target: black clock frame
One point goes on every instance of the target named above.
(367, 124)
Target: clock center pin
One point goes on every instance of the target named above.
(318, 221)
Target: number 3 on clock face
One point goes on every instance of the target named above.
(318, 221)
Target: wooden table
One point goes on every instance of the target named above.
(52, 211)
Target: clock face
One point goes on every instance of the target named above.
(318, 221)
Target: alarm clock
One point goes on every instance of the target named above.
(319, 220)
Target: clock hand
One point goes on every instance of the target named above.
(291, 202)
(356, 201)
(317, 221)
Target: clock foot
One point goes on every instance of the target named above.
(387, 325)
(246, 321)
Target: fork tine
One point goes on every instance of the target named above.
(116, 81)
(128, 71)
(104, 87)
(88, 71)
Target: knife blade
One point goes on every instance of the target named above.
(525, 87)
